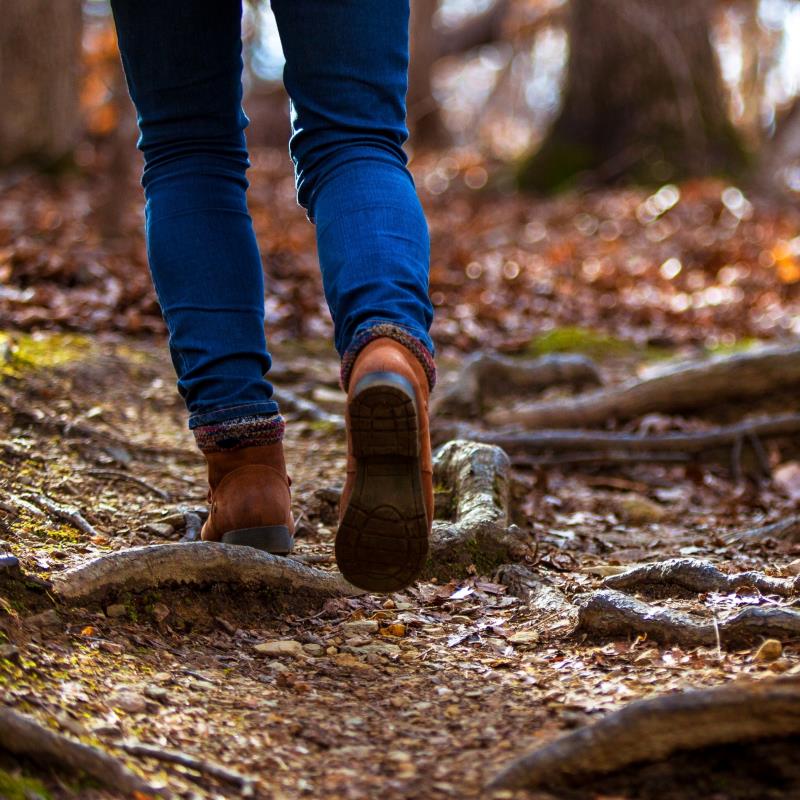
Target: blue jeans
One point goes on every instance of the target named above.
(346, 75)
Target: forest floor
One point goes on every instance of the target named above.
(429, 692)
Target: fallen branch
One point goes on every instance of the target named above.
(479, 533)
(196, 563)
(243, 782)
(609, 614)
(698, 577)
(712, 445)
(489, 376)
(653, 729)
(24, 736)
(743, 375)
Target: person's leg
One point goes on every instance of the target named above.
(346, 75)
(183, 64)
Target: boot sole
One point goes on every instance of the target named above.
(274, 539)
(382, 541)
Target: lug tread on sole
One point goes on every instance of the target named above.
(382, 541)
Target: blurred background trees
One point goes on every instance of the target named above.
(563, 91)
(40, 47)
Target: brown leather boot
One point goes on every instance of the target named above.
(387, 502)
(250, 499)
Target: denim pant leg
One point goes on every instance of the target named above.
(346, 74)
(183, 65)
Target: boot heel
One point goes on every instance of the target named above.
(274, 539)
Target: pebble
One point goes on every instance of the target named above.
(9, 653)
(640, 510)
(287, 647)
(157, 693)
(162, 677)
(359, 626)
(8, 562)
(314, 649)
(522, 638)
(160, 612)
(770, 650)
(131, 702)
(162, 529)
(793, 567)
(116, 610)
(378, 648)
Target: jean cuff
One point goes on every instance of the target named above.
(388, 330)
(233, 434)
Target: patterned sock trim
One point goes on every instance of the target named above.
(254, 431)
(388, 331)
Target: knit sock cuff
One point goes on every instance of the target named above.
(388, 331)
(232, 434)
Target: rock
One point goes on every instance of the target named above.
(378, 648)
(163, 677)
(114, 648)
(639, 510)
(161, 529)
(116, 610)
(8, 563)
(523, 638)
(160, 612)
(127, 700)
(359, 627)
(157, 693)
(770, 650)
(9, 653)
(47, 619)
(793, 567)
(314, 649)
(280, 648)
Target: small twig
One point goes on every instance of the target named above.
(70, 515)
(313, 558)
(119, 475)
(785, 529)
(244, 782)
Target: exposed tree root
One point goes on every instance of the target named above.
(684, 387)
(152, 566)
(609, 614)
(479, 533)
(785, 530)
(556, 614)
(654, 729)
(489, 376)
(693, 575)
(730, 444)
(24, 736)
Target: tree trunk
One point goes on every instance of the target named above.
(643, 98)
(424, 116)
(40, 48)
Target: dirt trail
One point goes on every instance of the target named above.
(423, 694)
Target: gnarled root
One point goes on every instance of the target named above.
(197, 563)
(478, 477)
(610, 614)
(654, 729)
(693, 575)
